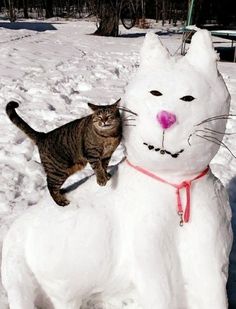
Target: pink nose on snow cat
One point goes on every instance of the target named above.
(128, 236)
(166, 119)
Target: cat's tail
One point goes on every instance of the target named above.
(20, 123)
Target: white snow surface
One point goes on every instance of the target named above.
(53, 75)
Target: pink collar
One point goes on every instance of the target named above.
(184, 215)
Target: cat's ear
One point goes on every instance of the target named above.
(93, 106)
(201, 53)
(116, 104)
(153, 51)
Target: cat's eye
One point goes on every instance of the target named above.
(187, 98)
(156, 93)
(100, 118)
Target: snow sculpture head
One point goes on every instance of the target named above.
(173, 98)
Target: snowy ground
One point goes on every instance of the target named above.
(54, 69)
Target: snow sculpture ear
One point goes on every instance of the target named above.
(153, 52)
(201, 53)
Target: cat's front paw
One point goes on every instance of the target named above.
(61, 200)
(102, 180)
(63, 203)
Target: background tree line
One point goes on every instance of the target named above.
(110, 12)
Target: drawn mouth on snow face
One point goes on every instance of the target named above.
(163, 151)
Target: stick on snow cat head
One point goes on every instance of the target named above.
(180, 104)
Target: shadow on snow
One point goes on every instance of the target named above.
(34, 26)
(142, 34)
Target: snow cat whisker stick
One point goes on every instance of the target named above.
(217, 142)
(218, 132)
(219, 117)
(192, 134)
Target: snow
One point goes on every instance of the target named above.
(54, 74)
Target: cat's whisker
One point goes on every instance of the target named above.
(219, 117)
(125, 109)
(129, 119)
(129, 116)
(216, 141)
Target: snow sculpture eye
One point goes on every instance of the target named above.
(156, 93)
(187, 98)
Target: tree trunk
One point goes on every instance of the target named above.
(25, 6)
(12, 14)
(156, 10)
(49, 8)
(163, 12)
(143, 4)
(109, 19)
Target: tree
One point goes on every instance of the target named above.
(12, 13)
(25, 8)
(49, 8)
(108, 14)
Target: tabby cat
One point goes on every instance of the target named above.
(69, 148)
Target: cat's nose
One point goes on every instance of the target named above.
(105, 119)
(165, 119)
